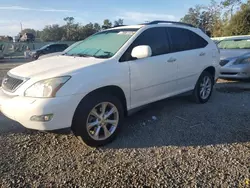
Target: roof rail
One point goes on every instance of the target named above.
(170, 22)
(108, 27)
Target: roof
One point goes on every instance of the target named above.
(156, 22)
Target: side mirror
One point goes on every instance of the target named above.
(142, 51)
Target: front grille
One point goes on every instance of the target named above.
(223, 62)
(10, 83)
(229, 73)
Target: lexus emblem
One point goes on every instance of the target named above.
(5, 80)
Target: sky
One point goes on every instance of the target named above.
(38, 13)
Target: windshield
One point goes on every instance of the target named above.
(235, 44)
(102, 45)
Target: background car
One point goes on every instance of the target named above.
(235, 58)
(59, 53)
(1, 55)
(48, 49)
(1, 51)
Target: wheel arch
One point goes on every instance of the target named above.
(112, 90)
(211, 70)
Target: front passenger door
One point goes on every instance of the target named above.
(151, 78)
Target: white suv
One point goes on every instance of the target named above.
(95, 84)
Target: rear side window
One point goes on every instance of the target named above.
(156, 38)
(183, 39)
(197, 41)
(61, 47)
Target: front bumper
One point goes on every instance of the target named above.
(21, 109)
(235, 72)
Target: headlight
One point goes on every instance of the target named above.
(245, 60)
(46, 88)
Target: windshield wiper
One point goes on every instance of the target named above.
(102, 56)
(83, 55)
(79, 55)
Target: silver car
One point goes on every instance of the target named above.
(235, 58)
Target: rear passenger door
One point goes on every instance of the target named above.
(188, 49)
(152, 78)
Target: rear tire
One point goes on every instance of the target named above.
(203, 88)
(90, 119)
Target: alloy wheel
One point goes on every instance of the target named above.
(102, 121)
(205, 87)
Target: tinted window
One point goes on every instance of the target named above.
(60, 47)
(197, 41)
(51, 48)
(183, 39)
(156, 38)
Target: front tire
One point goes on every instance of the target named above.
(98, 119)
(203, 88)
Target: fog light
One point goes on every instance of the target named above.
(42, 118)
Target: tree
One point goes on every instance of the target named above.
(118, 22)
(204, 17)
(70, 28)
(231, 5)
(28, 30)
(52, 33)
(69, 20)
(106, 24)
(97, 27)
(240, 22)
(193, 16)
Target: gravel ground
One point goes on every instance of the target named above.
(172, 143)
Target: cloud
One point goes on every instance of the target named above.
(139, 17)
(33, 9)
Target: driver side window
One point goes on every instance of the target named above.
(156, 38)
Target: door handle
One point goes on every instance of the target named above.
(202, 53)
(171, 60)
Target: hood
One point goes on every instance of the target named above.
(54, 66)
(232, 53)
(37, 50)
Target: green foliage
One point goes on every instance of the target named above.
(240, 22)
(193, 16)
(106, 24)
(28, 30)
(118, 22)
(220, 19)
(72, 31)
(52, 33)
(203, 17)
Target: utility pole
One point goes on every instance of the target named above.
(21, 27)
